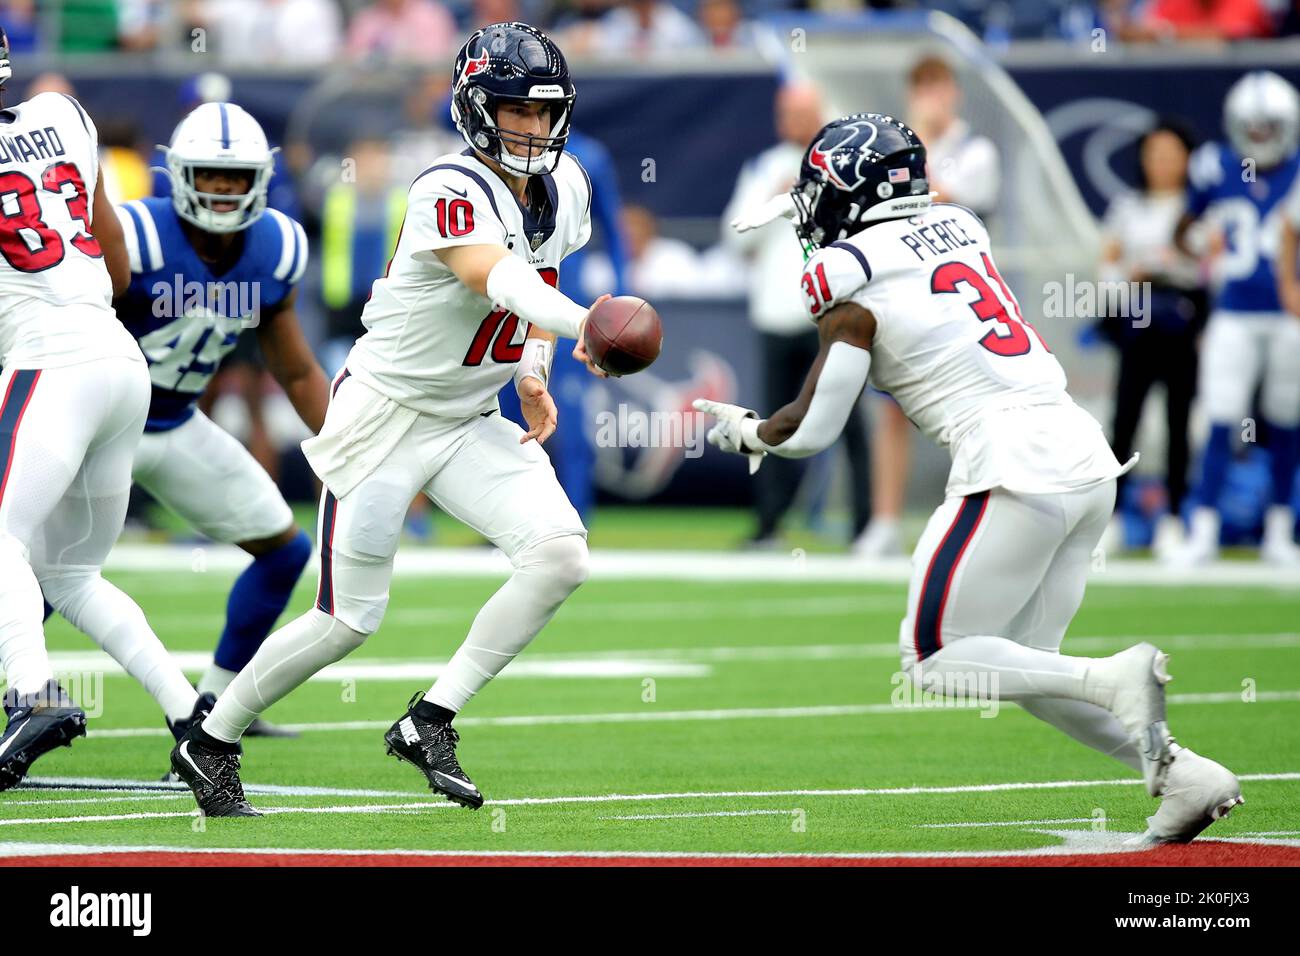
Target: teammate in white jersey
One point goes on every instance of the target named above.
(74, 392)
(906, 295)
(415, 410)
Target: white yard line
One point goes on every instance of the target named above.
(646, 797)
(649, 715)
(705, 566)
(1000, 823)
(716, 813)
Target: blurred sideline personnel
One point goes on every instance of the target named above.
(1139, 247)
(1235, 198)
(207, 263)
(906, 295)
(776, 310)
(415, 409)
(963, 169)
(74, 394)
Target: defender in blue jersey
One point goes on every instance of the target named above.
(1236, 200)
(207, 263)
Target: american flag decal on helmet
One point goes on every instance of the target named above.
(899, 176)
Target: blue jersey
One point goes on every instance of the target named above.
(1247, 204)
(187, 319)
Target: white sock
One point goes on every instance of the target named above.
(284, 661)
(1089, 724)
(544, 576)
(115, 622)
(215, 680)
(22, 636)
(1279, 525)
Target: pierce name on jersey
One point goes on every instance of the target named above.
(431, 342)
(1246, 203)
(55, 290)
(955, 351)
(185, 317)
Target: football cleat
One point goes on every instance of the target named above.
(1132, 686)
(1197, 792)
(431, 746)
(38, 723)
(213, 775)
(180, 728)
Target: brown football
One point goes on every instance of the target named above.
(623, 335)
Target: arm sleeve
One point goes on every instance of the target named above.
(833, 275)
(450, 207)
(842, 378)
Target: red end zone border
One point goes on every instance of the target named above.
(1200, 854)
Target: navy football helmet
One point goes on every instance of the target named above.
(512, 62)
(858, 170)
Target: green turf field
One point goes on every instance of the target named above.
(707, 717)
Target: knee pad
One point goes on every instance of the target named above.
(66, 589)
(564, 561)
(341, 638)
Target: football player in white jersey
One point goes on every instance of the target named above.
(74, 393)
(906, 295)
(468, 301)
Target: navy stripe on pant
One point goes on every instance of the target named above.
(943, 566)
(15, 402)
(325, 592)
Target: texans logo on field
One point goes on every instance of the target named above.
(844, 171)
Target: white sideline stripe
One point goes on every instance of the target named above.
(711, 566)
(999, 823)
(395, 670)
(114, 785)
(716, 813)
(736, 713)
(649, 797)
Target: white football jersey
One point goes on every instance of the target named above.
(55, 291)
(955, 351)
(431, 342)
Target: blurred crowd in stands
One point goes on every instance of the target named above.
(308, 32)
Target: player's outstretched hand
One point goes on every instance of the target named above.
(539, 411)
(580, 350)
(726, 433)
(780, 206)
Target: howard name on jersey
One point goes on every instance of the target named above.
(1247, 208)
(55, 291)
(431, 342)
(953, 349)
(185, 317)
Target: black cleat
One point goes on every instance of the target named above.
(180, 728)
(262, 728)
(212, 772)
(431, 746)
(38, 723)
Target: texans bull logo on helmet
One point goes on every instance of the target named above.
(473, 65)
(844, 171)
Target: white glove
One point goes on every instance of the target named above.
(726, 433)
(780, 206)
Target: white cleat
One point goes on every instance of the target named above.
(882, 538)
(1131, 685)
(1202, 543)
(1169, 538)
(1197, 792)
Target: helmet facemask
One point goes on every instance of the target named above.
(195, 206)
(540, 154)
